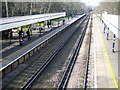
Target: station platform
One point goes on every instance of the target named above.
(18, 51)
(7, 48)
(105, 61)
(35, 33)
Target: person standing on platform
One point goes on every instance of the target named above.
(48, 24)
(28, 34)
(58, 23)
(40, 29)
(63, 21)
(21, 36)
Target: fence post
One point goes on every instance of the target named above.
(113, 44)
(107, 33)
(104, 28)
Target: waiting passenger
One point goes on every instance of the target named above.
(21, 37)
(40, 29)
(48, 24)
(28, 35)
(21, 34)
(63, 21)
(58, 23)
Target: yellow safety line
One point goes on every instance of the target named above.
(20, 49)
(23, 47)
(108, 58)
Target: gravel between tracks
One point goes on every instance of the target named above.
(91, 72)
(77, 76)
(51, 76)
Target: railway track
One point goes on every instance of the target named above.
(80, 63)
(16, 60)
(61, 71)
(88, 58)
(70, 65)
(26, 78)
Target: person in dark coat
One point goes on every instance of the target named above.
(63, 21)
(28, 35)
(48, 23)
(40, 29)
(21, 37)
(21, 34)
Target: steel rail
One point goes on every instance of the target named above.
(72, 61)
(88, 54)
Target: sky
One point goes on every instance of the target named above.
(92, 3)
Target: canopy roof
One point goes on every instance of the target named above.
(14, 22)
(112, 22)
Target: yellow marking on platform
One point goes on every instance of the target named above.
(24, 47)
(1, 59)
(19, 50)
(108, 58)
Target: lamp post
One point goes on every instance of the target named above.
(113, 44)
(10, 36)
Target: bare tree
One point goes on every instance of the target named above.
(30, 7)
(41, 7)
(6, 4)
(49, 7)
(110, 7)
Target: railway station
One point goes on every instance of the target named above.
(75, 48)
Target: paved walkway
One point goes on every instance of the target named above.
(106, 62)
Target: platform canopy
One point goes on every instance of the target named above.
(14, 22)
(112, 23)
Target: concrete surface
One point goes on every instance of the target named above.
(106, 62)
